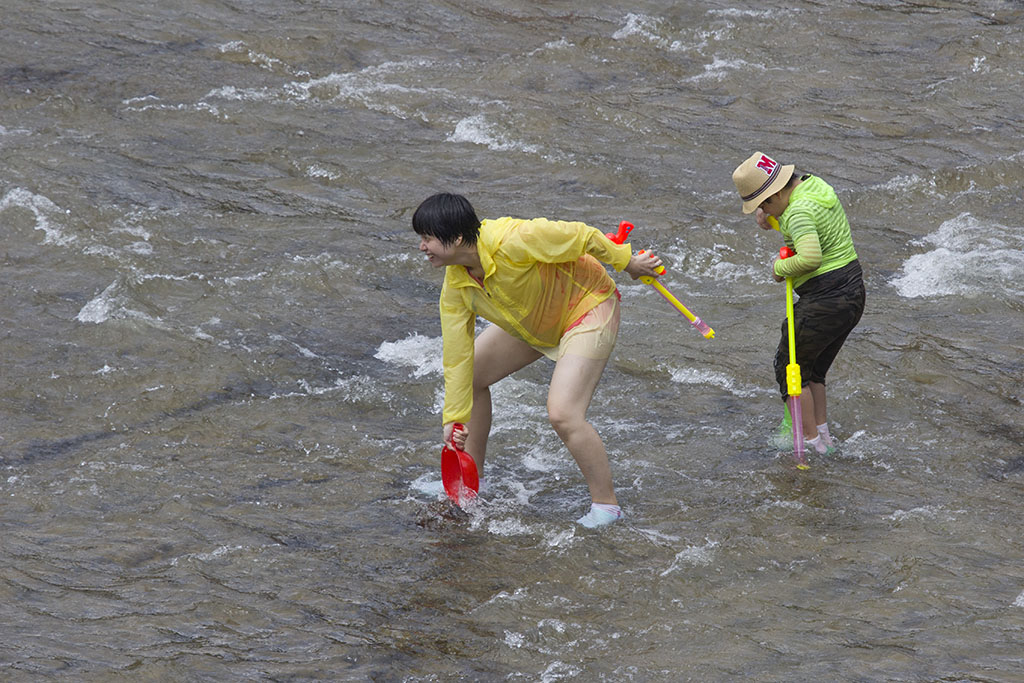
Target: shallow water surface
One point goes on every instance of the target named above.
(221, 353)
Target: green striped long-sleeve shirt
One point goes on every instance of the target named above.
(815, 226)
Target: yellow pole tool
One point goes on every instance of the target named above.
(702, 327)
(793, 381)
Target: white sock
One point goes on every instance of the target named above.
(600, 514)
(823, 433)
(607, 507)
(817, 443)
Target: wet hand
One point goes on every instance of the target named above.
(643, 263)
(455, 437)
(762, 219)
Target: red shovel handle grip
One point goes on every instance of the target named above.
(622, 234)
(786, 252)
(456, 428)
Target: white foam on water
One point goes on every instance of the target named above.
(647, 28)
(716, 262)
(913, 183)
(355, 389)
(146, 277)
(223, 551)
(638, 25)
(558, 671)
(720, 68)
(298, 347)
(409, 257)
(781, 441)
(520, 493)
(478, 130)
(969, 257)
(429, 484)
(234, 280)
(13, 131)
(498, 511)
(724, 271)
(658, 536)
(259, 59)
(361, 85)
(373, 87)
(509, 527)
(542, 459)
(43, 209)
(95, 466)
(1019, 602)
(137, 101)
(923, 512)
(317, 171)
(909, 183)
(562, 537)
(784, 504)
(733, 13)
(857, 436)
(865, 447)
(112, 302)
(140, 248)
(514, 640)
(153, 103)
(421, 353)
(702, 376)
(505, 596)
(560, 44)
(199, 333)
(693, 556)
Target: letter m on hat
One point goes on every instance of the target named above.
(767, 164)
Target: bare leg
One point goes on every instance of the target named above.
(496, 355)
(820, 411)
(572, 387)
(807, 408)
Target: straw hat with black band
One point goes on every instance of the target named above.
(758, 178)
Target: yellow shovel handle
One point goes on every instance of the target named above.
(701, 326)
(647, 280)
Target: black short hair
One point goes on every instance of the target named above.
(447, 217)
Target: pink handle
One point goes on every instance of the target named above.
(702, 327)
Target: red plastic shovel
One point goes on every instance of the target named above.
(458, 471)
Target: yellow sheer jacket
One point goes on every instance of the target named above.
(540, 277)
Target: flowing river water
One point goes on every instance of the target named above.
(220, 347)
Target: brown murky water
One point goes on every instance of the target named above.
(221, 375)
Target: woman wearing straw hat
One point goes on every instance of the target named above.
(826, 275)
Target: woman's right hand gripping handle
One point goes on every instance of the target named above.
(455, 433)
(644, 264)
